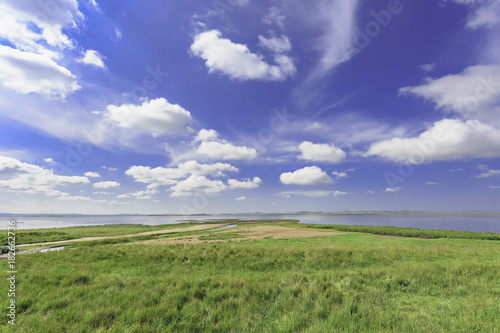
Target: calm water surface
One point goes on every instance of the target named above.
(470, 222)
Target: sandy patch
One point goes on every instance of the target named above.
(246, 233)
(147, 233)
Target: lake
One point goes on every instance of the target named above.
(469, 222)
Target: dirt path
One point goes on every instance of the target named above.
(246, 233)
(147, 233)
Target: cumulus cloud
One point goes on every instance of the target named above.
(17, 19)
(488, 173)
(92, 58)
(106, 184)
(197, 184)
(27, 72)
(35, 34)
(189, 178)
(225, 151)
(474, 93)
(246, 183)
(321, 152)
(448, 139)
(393, 189)
(241, 198)
(430, 183)
(208, 146)
(206, 135)
(156, 116)
(29, 178)
(168, 176)
(235, 60)
(92, 174)
(312, 175)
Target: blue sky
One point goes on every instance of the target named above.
(238, 106)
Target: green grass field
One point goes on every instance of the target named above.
(356, 282)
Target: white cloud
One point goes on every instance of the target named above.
(225, 151)
(473, 93)
(486, 13)
(197, 184)
(321, 152)
(488, 173)
(141, 195)
(92, 174)
(236, 61)
(448, 139)
(430, 183)
(27, 72)
(155, 116)
(393, 189)
(494, 186)
(247, 183)
(241, 198)
(340, 174)
(78, 198)
(337, 20)
(307, 176)
(276, 44)
(188, 178)
(428, 67)
(168, 176)
(29, 178)
(369, 192)
(275, 16)
(17, 19)
(49, 160)
(311, 194)
(208, 146)
(106, 184)
(92, 58)
(207, 135)
(95, 5)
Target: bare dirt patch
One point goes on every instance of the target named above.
(247, 233)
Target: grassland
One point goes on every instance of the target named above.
(352, 282)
